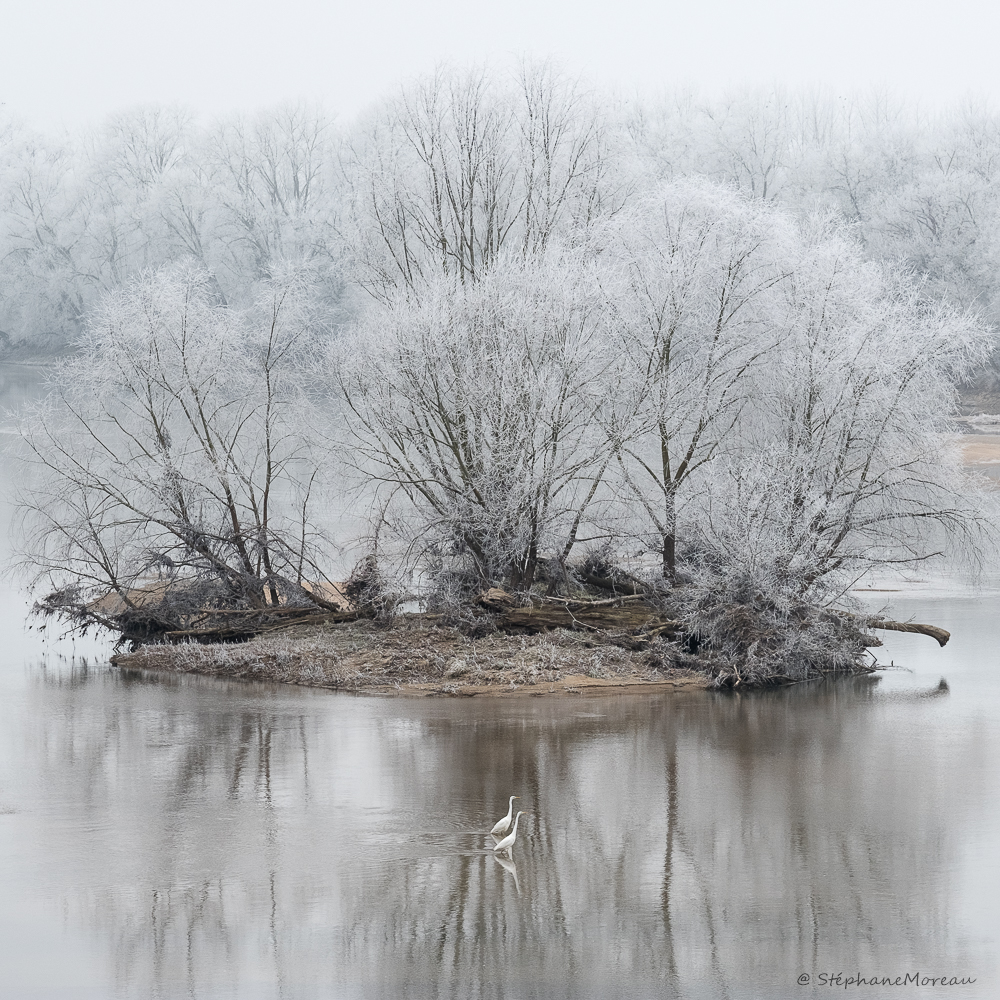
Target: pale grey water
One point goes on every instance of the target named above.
(182, 837)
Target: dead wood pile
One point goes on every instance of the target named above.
(629, 618)
(629, 613)
(237, 625)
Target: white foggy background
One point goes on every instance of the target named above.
(69, 63)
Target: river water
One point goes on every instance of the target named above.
(186, 837)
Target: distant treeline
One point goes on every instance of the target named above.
(294, 186)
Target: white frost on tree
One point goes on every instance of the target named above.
(170, 453)
(480, 407)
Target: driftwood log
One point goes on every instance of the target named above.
(933, 631)
(597, 619)
(615, 586)
(941, 635)
(627, 612)
(244, 624)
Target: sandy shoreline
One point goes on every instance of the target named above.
(980, 450)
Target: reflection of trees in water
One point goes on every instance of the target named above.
(340, 843)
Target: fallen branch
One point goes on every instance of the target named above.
(257, 625)
(600, 617)
(933, 631)
(942, 635)
(576, 604)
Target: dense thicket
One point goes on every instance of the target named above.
(701, 350)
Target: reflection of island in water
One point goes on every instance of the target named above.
(694, 845)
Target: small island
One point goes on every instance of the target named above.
(418, 655)
(497, 646)
(644, 431)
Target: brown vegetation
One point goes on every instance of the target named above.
(554, 645)
(421, 656)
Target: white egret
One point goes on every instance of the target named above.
(504, 825)
(508, 842)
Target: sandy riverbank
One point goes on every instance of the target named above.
(979, 450)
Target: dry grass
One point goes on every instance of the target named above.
(427, 659)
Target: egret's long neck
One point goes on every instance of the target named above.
(510, 808)
(516, 818)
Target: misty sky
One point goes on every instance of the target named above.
(66, 62)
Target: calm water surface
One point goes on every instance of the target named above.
(182, 837)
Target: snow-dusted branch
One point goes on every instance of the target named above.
(483, 402)
(171, 454)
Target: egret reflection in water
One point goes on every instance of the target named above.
(178, 834)
(508, 865)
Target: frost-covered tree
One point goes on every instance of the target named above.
(84, 215)
(854, 409)
(841, 462)
(273, 190)
(701, 310)
(170, 457)
(45, 282)
(481, 409)
(461, 169)
(941, 221)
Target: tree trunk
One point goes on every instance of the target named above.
(523, 575)
(669, 557)
(670, 536)
(941, 635)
